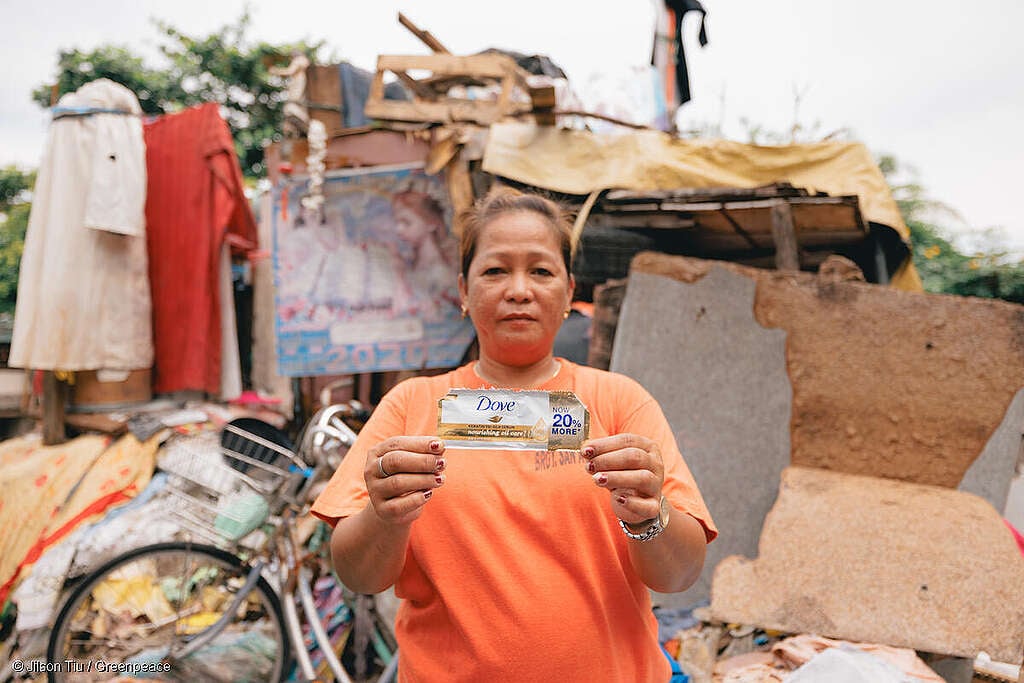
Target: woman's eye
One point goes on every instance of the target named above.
(493, 271)
(543, 271)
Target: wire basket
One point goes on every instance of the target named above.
(257, 451)
(197, 459)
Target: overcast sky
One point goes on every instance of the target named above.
(940, 85)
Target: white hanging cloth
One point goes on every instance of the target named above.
(83, 289)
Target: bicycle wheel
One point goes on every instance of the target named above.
(132, 616)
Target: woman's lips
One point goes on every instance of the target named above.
(518, 316)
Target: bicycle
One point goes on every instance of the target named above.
(224, 609)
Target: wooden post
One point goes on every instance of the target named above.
(55, 395)
(786, 255)
(460, 188)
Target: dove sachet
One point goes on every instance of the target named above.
(505, 419)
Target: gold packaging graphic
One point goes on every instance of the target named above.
(504, 419)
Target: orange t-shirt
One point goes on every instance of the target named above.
(517, 569)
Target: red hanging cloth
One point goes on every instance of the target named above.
(195, 201)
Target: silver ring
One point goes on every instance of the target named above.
(384, 474)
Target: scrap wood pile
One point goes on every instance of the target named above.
(483, 88)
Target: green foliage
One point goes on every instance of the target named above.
(15, 186)
(943, 267)
(223, 67)
(154, 87)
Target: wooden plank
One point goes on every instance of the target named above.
(543, 97)
(376, 93)
(55, 396)
(782, 189)
(481, 66)
(657, 220)
(323, 96)
(445, 111)
(830, 217)
(442, 151)
(784, 235)
(428, 39)
(736, 226)
(96, 422)
(626, 208)
(714, 241)
(415, 86)
(460, 189)
(823, 217)
(353, 149)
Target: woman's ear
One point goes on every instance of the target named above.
(463, 290)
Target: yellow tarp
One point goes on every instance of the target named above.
(579, 162)
(47, 491)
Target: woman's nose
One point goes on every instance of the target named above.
(519, 287)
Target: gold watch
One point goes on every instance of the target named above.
(653, 526)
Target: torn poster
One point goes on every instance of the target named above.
(368, 282)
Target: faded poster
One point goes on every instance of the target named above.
(369, 282)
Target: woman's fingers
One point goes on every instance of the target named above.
(403, 509)
(617, 442)
(391, 463)
(401, 474)
(630, 467)
(423, 445)
(632, 508)
(643, 482)
(633, 463)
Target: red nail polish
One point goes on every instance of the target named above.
(591, 468)
(602, 479)
(439, 467)
(435, 446)
(439, 479)
(588, 452)
(621, 500)
(427, 495)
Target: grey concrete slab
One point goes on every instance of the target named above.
(992, 473)
(721, 380)
(1014, 510)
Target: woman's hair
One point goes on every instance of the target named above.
(506, 200)
(425, 207)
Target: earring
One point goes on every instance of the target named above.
(565, 314)
(465, 312)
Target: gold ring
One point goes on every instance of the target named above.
(384, 474)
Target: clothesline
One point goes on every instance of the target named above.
(64, 112)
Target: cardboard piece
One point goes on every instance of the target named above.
(880, 561)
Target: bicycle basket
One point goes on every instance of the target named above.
(212, 499)
(197, 459)
(262, 454)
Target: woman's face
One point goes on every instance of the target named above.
(517, 289)
(409, 226)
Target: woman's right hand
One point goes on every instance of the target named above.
(401, 474)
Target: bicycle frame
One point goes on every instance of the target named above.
(288, 496)
(294, 578)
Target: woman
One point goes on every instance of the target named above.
(419, 223)
(513, 565)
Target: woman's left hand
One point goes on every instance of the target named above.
(630, 467)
